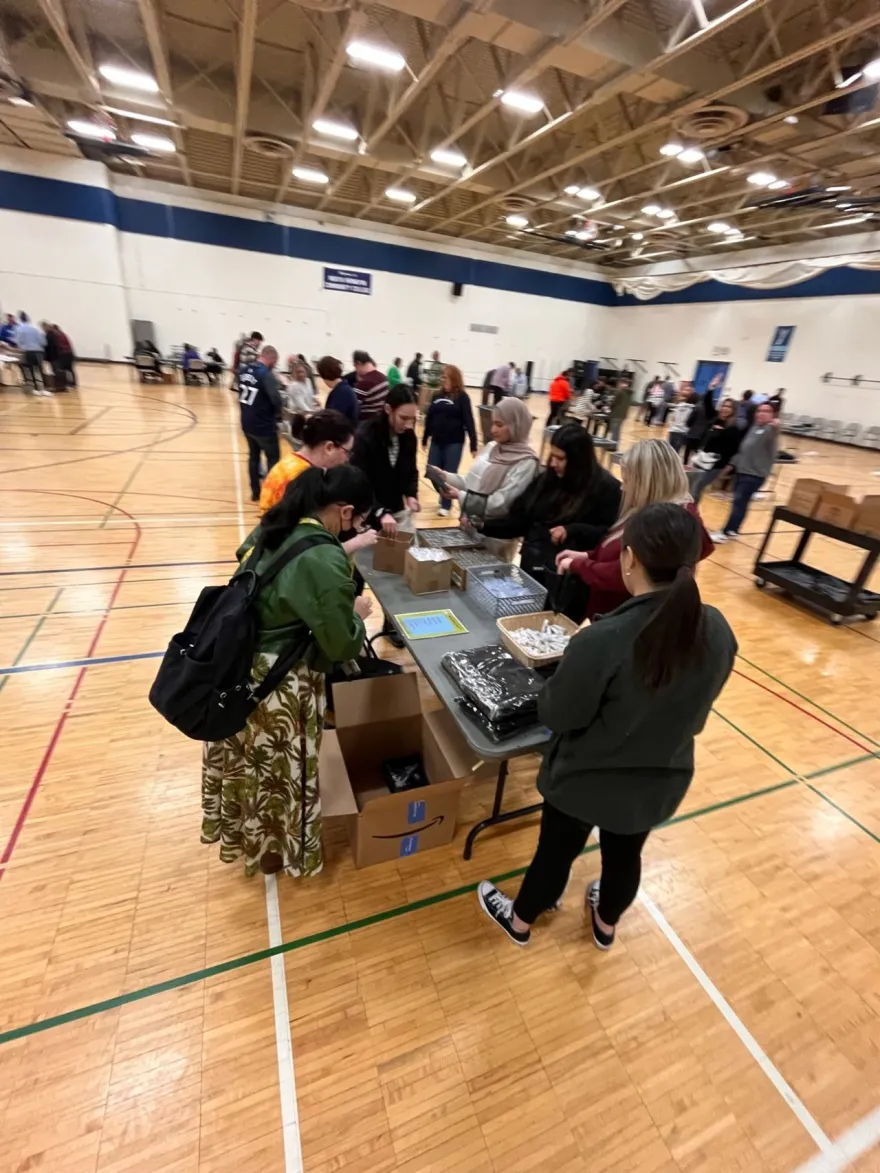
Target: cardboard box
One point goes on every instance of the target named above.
(376, 719)
(868, 517)
(389, 554)
(806, 494)
(837, 509)
(424, 578)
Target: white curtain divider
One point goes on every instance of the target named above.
(772, 276)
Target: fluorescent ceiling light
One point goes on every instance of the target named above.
(92, 130)
(778, 184)
(518, 221)
(652, 209)
(525, 103)
(309, 175)
(400, 195)
(791, 119)
(571, 232)
(572, 189)
(589, 193)
(840, 187)
(691, 155)
(671, 149)
(718, 226)
(20, 100)
(369, 54)
(335, 129)
(129, 79)
(666, 214)
(448, 157)
(872, 70)
(762, 179)
(584, 234)
(137, 117)
(638, 236)
(154, 142)
(850, 220)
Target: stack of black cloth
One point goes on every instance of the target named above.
(500, 694)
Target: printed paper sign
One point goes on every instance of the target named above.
(348, 281)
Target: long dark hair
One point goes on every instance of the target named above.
(310, 493)
(666, 541)
(322, 426)
(582, 475)
(397, 397)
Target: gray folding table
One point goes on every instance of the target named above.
(397, 599)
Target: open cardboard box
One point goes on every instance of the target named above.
(376, 719)
(389, 553)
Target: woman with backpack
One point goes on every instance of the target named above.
(260, 792)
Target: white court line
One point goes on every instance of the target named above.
(290, 1135)
(823, 1143)
(848, 1147)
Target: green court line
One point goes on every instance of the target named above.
(757, 744)
(33, 635)
(809, 700)
(843, 812)
(865, 757)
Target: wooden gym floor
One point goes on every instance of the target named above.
(146, 1021)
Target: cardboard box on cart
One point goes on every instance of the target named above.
(378, 719)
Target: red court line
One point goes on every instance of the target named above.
(68, 704)
(801, 709)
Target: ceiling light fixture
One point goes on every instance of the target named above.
(449, 158)
(718, 226)
(666, 214)
(335, 129)
(400, 195)
(20, 100)
(850, 220)
(524, 103)
(762, 179)
(589, 193)
(662, 253)
(516, 221)
(154, 142)
(92, 130)
(367, 54)
(791, 119)
(638, 236)
(872, 70)
(572, 189)
(848, 81)
(137, 117)
(652, 209)
(840, 187)
(571, 232)
(309, 175)
(129, 79)
(778, 184)
(691, 155)
(671, 150)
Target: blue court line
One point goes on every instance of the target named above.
(124, 566)
(16, 669)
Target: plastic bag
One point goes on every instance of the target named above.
(501, 688)
(406, 773)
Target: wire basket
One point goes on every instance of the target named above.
(450, 537)
(505, 590)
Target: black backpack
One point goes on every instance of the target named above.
(203, 685)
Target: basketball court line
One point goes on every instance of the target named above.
(849, 1146)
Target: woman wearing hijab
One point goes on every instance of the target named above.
(501, 472)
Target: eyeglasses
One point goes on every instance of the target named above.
(347, 450)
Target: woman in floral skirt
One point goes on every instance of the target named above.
(260, 792)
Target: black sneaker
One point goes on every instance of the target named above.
(255, 497)
(499, 908)
(601, 939)
(394, 637)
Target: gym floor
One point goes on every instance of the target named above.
(159, 1012)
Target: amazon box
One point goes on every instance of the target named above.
(837, 509)
(382, 718)
(389, 553)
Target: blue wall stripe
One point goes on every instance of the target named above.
(78, 201)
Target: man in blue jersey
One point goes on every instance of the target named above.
(259, 398)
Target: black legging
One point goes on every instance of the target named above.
(560, 842)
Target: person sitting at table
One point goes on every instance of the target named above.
(190, 354)
(652, 474)
(501, 472)
(628, 698)
(575, 501)
(7, 330)
(149, 348)
(213, 365)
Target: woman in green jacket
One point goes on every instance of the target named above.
(630, 695)
(260, 793)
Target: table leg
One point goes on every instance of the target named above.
(497, 816)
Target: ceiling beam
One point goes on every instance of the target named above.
(244, 69)
(54, 13)
(152, 23)
(329, 77)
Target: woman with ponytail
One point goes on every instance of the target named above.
(260, 792)
(630, 695)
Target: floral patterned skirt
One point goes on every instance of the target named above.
(260, 794)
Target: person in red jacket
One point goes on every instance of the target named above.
(560, 393)
(652, 474)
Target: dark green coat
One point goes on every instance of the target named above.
(317, 589)
(622, 757)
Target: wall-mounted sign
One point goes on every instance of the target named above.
(478, 328)
(720, 351)
(348, 281)
(780, 343)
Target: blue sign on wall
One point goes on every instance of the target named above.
(782, 337)
(348, 280)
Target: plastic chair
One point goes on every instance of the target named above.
(848, 434)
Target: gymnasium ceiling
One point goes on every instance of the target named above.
(242, 82)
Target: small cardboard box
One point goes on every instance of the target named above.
(424, 578)
(377, 719)
(837, 509)
(868, 517)
(806, 494)
(389, 553)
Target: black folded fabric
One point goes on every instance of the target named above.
(407, 773)
(502, 689)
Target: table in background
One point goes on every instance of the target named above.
(10, 363)
(397, 599)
